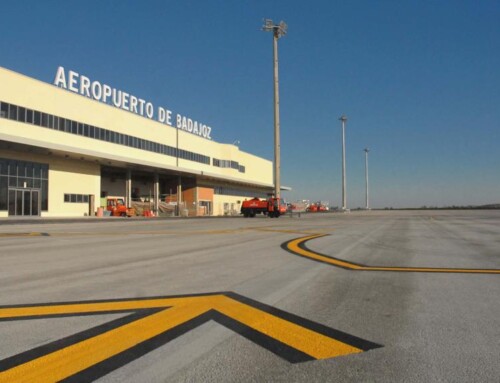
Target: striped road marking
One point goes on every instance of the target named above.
(153, 322)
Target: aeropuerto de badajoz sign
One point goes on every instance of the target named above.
(82, 85)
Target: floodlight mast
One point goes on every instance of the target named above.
(366, 150)
(278, 30)
(343, 118)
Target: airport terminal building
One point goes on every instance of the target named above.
(65, 147)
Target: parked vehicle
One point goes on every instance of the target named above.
(318, 207)
(273, 207)
(117, 207)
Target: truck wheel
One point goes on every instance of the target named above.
(123, 214)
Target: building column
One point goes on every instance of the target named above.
(179, 196)
(156, 193)
(128, 188)
(196, 200)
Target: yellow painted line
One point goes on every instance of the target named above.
(67, 361)
(295, 247)
(86, 308)
(312, 343)
(80, 356)
(4, 235)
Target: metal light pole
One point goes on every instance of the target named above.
(278, 31)
(344, 191)
(366, 150)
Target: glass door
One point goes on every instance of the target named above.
(24, 202)
(35, 202)
(12, 202)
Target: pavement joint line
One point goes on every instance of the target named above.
(298, 247)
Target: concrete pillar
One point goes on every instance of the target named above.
(196, 201)
(156, 193)
(92, 209)
(128, 188)
(179, 196)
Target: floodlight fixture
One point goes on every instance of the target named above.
(279, 30)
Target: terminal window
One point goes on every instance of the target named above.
(45, 120)
(76, 198)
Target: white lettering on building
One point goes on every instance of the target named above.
(96, 90)
(194, 127)
(82, 85)
(73, 80)
(60, 79)
(85, 86)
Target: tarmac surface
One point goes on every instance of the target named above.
(378, 296)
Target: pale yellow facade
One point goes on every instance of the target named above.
(76, 161)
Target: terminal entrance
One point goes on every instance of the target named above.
(24, 202)
(24, 187)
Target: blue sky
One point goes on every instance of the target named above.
(418, 80)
